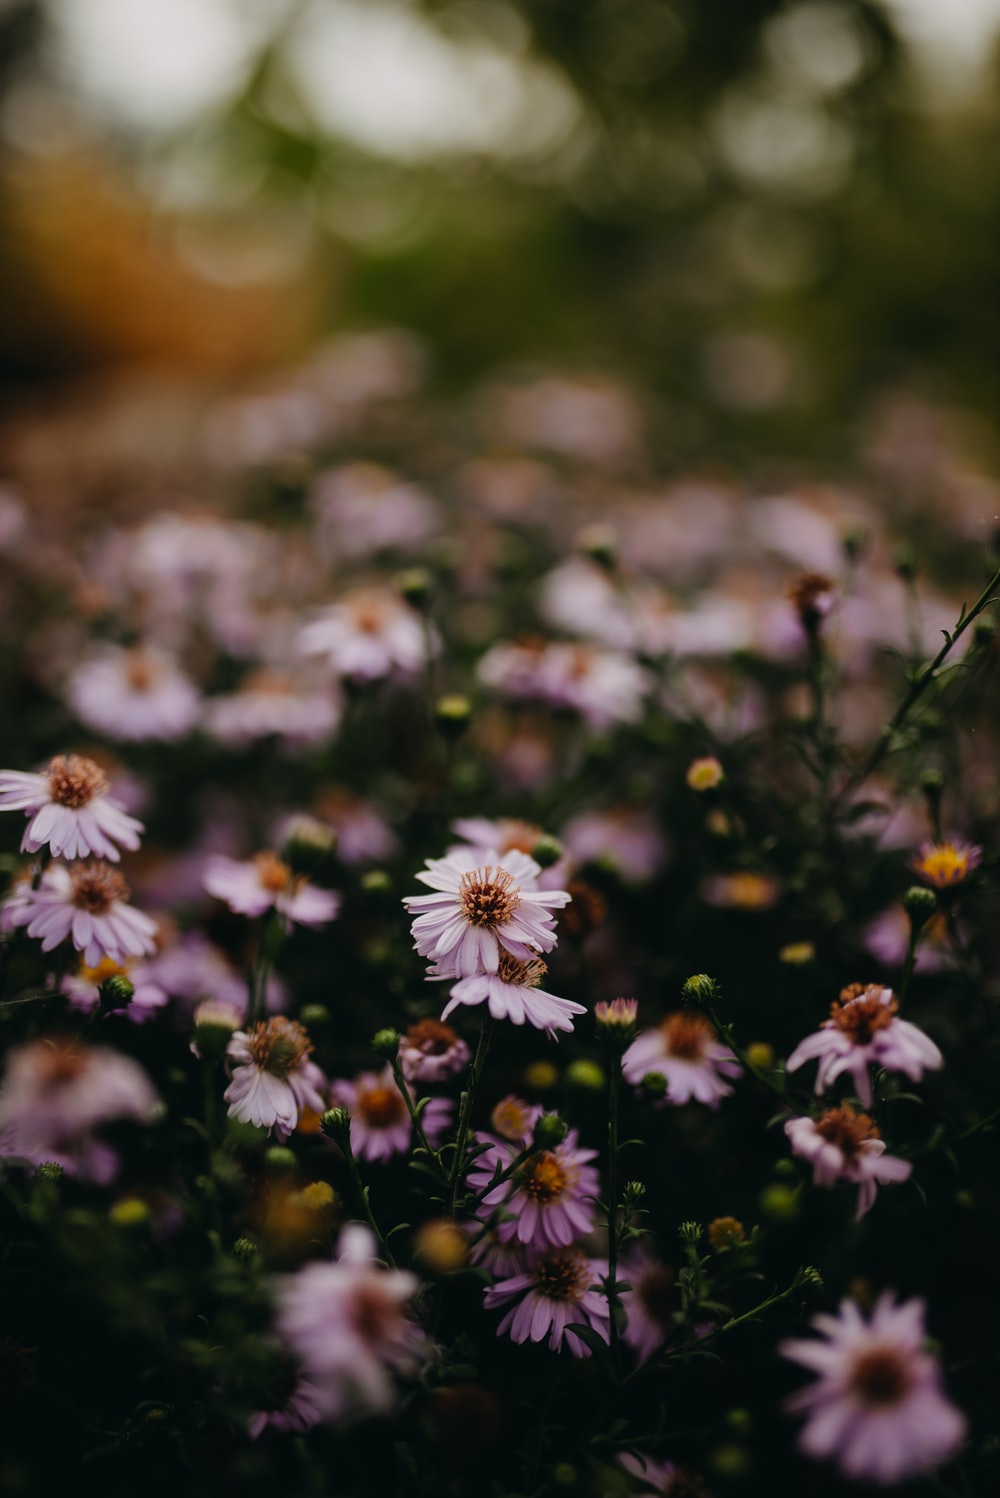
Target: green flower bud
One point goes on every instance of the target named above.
(586, 1075)
(414, 583)
(314, 1016)
(700, 989)
(386, 1043)
(116, 993)
(130, 1213)
(244, 1249)
(336, 1125)
(279, 1160)
(550, 1130)
(308, 843)
(779, 1202)
(654, 1084)
(920, 904)
(600, 543)
(49, 1171)
(376, 882)
(452, 714)
(547, 851)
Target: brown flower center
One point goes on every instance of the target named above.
(489, 896)
(511, 1118)
(861, 1011)
(846, 1129)
(75, 781)
(97, 886)
(656, 1289)
(687, 1034)
(431, 1037)
(585, 912)
(278, 1045)
(381, 1107)
(880, 1376)
(562, 1276)
(517, 836)
(58, 1065)
(544, 1178)
(274, 875)
(374, 1314)
(812, 594)
(523, 974)
(140, 671)
(369, 612)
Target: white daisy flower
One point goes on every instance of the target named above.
(70, 810)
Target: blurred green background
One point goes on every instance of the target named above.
(766, 215)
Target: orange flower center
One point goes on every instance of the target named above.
(489, 896)
(687, 1034)
(278, 1045)
(562, 1276)
(846, 1129)
(96, 887)
(431, 1037)
(381, 1107)
(880, 1377)
(861, 1011)
(75, 781)
(545, 1178)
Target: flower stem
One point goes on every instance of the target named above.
(614, 1092)
(465, 1112)
(418, 1128)
(361, 1191)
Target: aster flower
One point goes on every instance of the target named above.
(877, 1407)
(943, 865)
(863, 1030)
(368, 635)
(274, 1081)
(298, 1406)
(483, 903)
(556, 1290)
(650, 1303)
(272, 705)
(551, 1195)
(380, 1120)
(432, 1052)
(54, 1093)
(264, 883)
(83, 988)
(626, 837)
(844, 1145)
(604, 686)
(135, 694)
(346, 1323)
(686, 1052)
(512, 992)
(70, 810)
(87, 902)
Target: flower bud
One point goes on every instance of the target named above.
(779, 1202)
(49, 1171)
(336, 1125)
(540, 1076)
(386, 1043)
(904, 563)
(654, 1084)
(797, 953)
(761, 1055)
(214, 1024)
(633, 1193)
(600, 543)
(130, 1213)
(441, 1246)
(244, 1249)
(307, 845)
(586, 1075)
(452, 714)
(547, 851)
(704, 774)
(376, 882)
(919, 904)
(725, 1232)
(700, 989)
(116, 992)
(615, 1022)
(414, 583)
(550, 1130)
(314, 1016)
(279, 1160)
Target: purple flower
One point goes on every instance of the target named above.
(482, 904)
(85, 901)
(512, 992)
(558, 1289)
(863, 1030)
(877, 1407)
(651, 1302)
(134, 694)
(264, 883)
(684, 1050)
(432, 1052)
(83, 988)
(370, 634)
(380, 1120)
(551, 1195)
(70, 810)
(844, 1145)
(274, 1081)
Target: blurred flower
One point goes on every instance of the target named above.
(380, 1121)
(651, 1303)
(863, 1030)
(555, 1291)
(362, 508)
(264, 883)
(70, 810)
(945, 864)
(604, 686)
(887, 938)
(514, 1119)
(482, 904)
(294, 1412)
(744, 890)
(877, 1407)
(546, 1195)
(370, 634)
(83, 988)
(87, 902)
(273, 1079)
(432, 1052)
(704, 774)
(844, 1145)
(512, 992)
(272, 705)
(686, 1052)
(363, 834)
(626, 837)
(134, 694)
(346, 1323)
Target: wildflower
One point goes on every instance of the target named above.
(943, 865)
(556, 1290)
(85, 901)
(272, 705)
(514, 1119)
(432, 1052)
(512, 992)
(605, 687)
(813, 596)
(346, 1323)
(546, 1193)
(616, 1021)
(651, 1303)
(369, 635)
(70, 810)
(379, 1119)
(273, 1078)
(863, 1029)
(624, 837)
(483, 903)
(743, 890)
(877, 1407)
(844, 1145)
(56, 1092)
(363, 835)
(686, 1052)
(264, 883)
(704, 774)
(83, 988)
(295, 1406)
(135, 694)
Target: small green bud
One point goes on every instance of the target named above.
(386, 1043)
(49, 1171)
(244, 1249)
(633, 1193)
(700, 989)
(550, 1130)
(279, 1160)
(415, 585)
(376, 882)
(586, 1075)
(904, 563)
(779, 1202)
(130, 1213)
(730, 1460)
(654, 1084)
(116, 993)
(600, 543)
(547, 851)
(932, 785)
(336, 1125)
(452, 714)
(314, 1016)
(308, 843)
(740, 1421)
(920, 904)
(564, 1475)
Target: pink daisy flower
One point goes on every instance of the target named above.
(650, 1304)
(82, 988)
(512, 992)
(274, 1081)
(70, 810)
(844, 1145)
(863, 1030)
(87, 902)
(686, 1052)
(432, 1052)
(346, 1322)
(551, 1196)
(272, 705)
(877, 1407)
(380, 1121)
(135, 694)
(264, 883)
(369, 635)
(483, 903)
(294, 1412)
(558, 1289)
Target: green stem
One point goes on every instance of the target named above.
(415, 1119)
(726, 1036)
(614, 1092)
(465, 1112)
(361, 1192)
